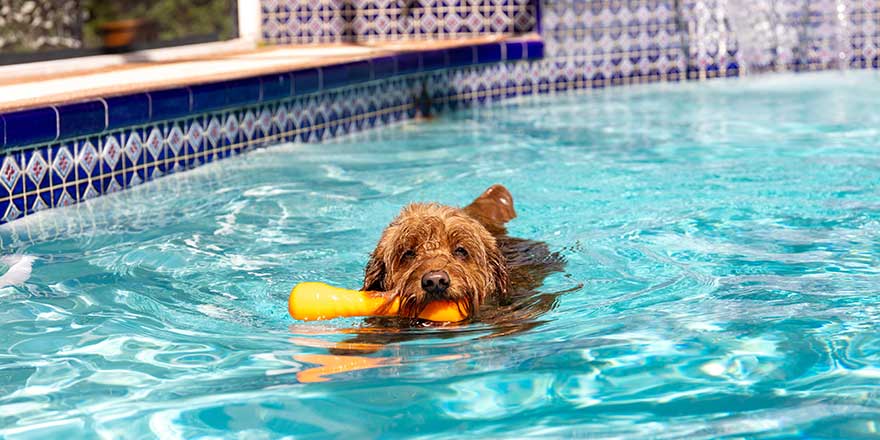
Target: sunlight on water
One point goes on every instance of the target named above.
(726, 234)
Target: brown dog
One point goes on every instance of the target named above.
(432, 252)
(435, 252)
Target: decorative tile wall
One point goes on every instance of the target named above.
(780, 35)
(60, 155)
(607, 42)
(326, 21)
(602, 43)
(864, 17)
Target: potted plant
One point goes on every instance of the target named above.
(120, 34)
(118, 24)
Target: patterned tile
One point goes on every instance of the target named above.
(155, 142)
(322, 21)
(87, 158)
(63, 163)
(12, 212)
(10, 171)
(175, 139)
(214, 131)
(36, 168)
(230, 128)
(134, 147)
(248, 125)
(111, 153)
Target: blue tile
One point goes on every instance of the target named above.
(112, 184)
(62, 169)
(186, 157)
(82, 118)
(277, 86)
(135, 145)
(18, 202)
(170, 104)
(31, 126)
(206, 97)
(88, 157)
(384, 67)
(359, 71)
(514, 51)
(334, 76)
(87, 189)
(111, 153)
(242, 92)
(488, 53)
(433, 60)
(461, 56)
(408, 63)
(56, 198)
(12, 175)
(149, 172)
(306, 81)
(35, 169)
(534, 50)
(2, 132)
(319, 127)
(128, 110)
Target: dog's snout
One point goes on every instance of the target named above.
(435, 282)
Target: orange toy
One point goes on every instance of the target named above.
(316, 301)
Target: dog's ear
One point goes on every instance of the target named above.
(374, 274)
(498, 267)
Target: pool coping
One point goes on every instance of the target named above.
(108, 108)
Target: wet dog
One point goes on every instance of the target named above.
(435, 252)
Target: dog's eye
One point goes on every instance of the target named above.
(409, 255)
(460, 252)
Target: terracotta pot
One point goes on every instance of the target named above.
(120, 33)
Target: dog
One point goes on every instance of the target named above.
(433, 252)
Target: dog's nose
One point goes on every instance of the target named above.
(435, 282)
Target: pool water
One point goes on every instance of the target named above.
(727, 236)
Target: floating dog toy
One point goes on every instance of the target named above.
(317, 301)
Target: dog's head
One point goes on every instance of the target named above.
(434, 252)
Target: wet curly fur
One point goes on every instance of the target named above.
(498, 279)
(426, 238)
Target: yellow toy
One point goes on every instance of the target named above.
(316, 301)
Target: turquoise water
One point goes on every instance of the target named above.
(727, 236)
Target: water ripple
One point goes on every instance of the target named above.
(725, 237)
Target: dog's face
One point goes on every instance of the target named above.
(434, 252)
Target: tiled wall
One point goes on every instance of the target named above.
(62, 173)
(607, 42)
(780, 35)
(594, 44)
(323, 21)
(604, 42)
(56, 156)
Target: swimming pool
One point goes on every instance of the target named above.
(725, 233)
